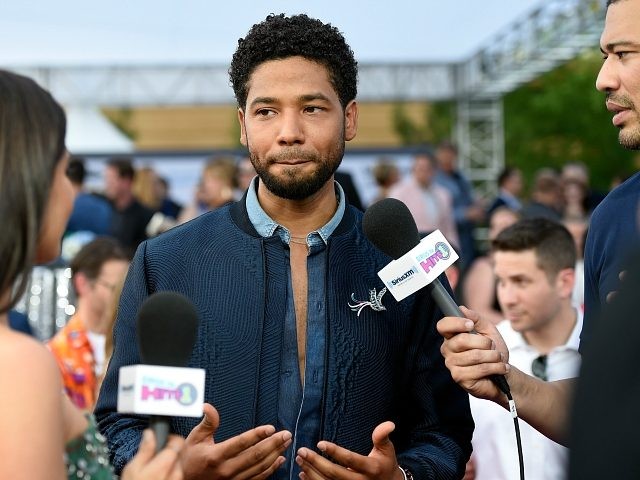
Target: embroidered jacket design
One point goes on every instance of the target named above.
(375, 301)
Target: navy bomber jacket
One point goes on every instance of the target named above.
(380, 365)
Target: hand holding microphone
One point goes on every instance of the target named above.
(389, 225)
(490, 355)
(162, 387)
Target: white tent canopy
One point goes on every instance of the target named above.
(88, 131)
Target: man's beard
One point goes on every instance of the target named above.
(629, 139)
(293, 184)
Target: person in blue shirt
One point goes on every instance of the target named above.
(468, 211)
(312, 370)
(91, 213)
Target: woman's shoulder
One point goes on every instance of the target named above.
(27, 364)
(31, 409)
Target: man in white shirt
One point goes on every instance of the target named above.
(534, 266)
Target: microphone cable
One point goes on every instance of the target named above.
(503, 386)
(449, 308)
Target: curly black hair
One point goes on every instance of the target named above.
(279, 37)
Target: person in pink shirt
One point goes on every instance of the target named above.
(429, 203)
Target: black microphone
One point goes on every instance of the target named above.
(167, 327)
(389, 225)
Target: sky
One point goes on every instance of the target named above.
(132, 32)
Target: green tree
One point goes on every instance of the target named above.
(561, 117)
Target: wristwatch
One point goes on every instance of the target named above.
(406, 472)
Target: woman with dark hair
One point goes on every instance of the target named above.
(41, 430)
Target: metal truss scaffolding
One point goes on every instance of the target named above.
(480, 139)
(553, 33)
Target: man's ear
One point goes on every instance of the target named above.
(81, 283)
(565, 282)
(243, 130)
(350, 120)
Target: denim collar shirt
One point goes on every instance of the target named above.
(300, 405)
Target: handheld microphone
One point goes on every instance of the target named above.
(167, 326)
(389, 225)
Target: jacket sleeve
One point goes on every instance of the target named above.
(436, 420)
(123, 431)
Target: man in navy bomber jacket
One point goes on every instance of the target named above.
(310, 367)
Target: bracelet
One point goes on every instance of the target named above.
(406, 473)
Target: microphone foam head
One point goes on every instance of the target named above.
(389, 225)
(167, 329)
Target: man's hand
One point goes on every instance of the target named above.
(254, 454)
(471, 358)
(380, 464)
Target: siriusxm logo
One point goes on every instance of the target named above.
(397, 281)
(185, 393)
(441, 252)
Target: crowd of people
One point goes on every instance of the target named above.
(134, 203)
(272, 254)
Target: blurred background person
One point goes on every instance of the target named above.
(90, 212)
(144, 188)
(386, 174)
(479, 287)
(197, 207)
(244, 174)
(79, 347)
(91, 215)
(577, 209)
(574, 200)
(579, 172)
(168, 206)
(468, 211)
(578, 228)
(130, 218)
(510, 186)
(216, 189)
(546, 196)
(429, 203)
(533, 262)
